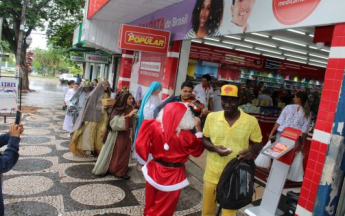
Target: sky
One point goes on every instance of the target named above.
(39, 40)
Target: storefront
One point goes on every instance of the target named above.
(290, 44)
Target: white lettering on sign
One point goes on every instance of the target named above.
(151, 66)
(288, 2)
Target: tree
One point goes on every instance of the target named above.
(54, 12)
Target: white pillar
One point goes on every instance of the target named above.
(183, 65)
(94, 71)
(87, 70)
(102, 72)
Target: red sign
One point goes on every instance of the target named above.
(143, 39)
(152, 68)
(95, 6)
(291, 12)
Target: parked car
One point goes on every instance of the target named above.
(64, 78)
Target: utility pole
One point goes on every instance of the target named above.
(20, 39)
(1, 50)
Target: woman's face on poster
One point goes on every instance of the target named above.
(205, 12)
(241, 11)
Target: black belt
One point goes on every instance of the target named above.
(168, 164)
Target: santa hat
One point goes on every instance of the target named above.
(172, 116)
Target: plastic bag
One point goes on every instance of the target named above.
(262, 160)
(296, 172)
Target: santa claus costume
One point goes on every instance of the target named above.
(170, 141)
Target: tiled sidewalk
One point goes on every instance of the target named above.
(49, 180)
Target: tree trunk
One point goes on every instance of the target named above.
(23, 72)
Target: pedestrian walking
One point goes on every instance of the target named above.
(226, 135)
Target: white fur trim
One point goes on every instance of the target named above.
(166, 188)
(198, 135)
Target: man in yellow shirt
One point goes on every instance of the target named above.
(226, 135)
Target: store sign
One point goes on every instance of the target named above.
(143, 39)
(77, 58)
(290, 12)
(95, 6)
(99, 59)
(263, 15)
(8, 95)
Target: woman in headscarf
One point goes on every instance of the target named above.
(91, 122)
(68, 121)
(149, 103)
(77, 102)
(116, 151)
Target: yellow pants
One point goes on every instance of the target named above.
(209, 203)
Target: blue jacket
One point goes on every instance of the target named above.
(8, 159)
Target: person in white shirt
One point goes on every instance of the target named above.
(204, 92)
(68, 121)
(296, 116)
(265, 99)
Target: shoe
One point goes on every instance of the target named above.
(125, 177)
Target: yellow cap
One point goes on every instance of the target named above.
(229, 90)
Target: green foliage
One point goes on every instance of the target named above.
(56, 13)
(50, 62)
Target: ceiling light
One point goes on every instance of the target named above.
(261, 35)
(311, 35)
(318, 56)
(261, 43)
(273, 56)
(197, 41)
(205, 48)
(212, 39)
(218, 45)
(248, 51)
(309, 68)
(293, 50)
(313, 47)
(233, 37)
(325, 50)
(237, 44)
(293, 56)
(318, 61)
(296, 60)
(288, 41)
(296, 31)
(266, 50)
(317, 65)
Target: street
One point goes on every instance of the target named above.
(49, 180)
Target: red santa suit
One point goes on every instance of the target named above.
(165, 175)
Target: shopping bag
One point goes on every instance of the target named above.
(296, 172)
(262, 160)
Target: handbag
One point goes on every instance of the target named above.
(262, 160)
(296, 172)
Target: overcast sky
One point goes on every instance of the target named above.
(39, 40)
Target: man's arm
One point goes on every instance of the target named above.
(162, 105)
(220, 150)
(249, 153)
(4, 139)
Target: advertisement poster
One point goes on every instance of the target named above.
(146, 68)
(200, 19)
(8, 95)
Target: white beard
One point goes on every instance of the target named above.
(187, 122)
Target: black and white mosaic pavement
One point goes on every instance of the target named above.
(49, 180)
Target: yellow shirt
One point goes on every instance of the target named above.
(236, 137)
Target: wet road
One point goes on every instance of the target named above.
(49, 180)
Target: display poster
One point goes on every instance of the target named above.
(143, 39)
(8, 95)
(146, 68)
(193, 19)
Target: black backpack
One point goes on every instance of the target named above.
(236, 184)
